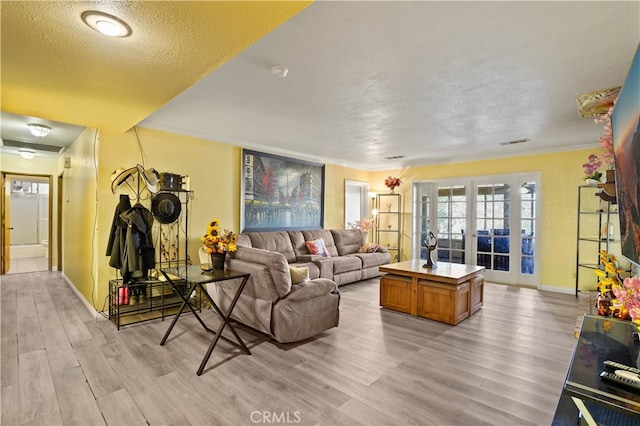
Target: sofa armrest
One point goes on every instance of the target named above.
(309, 257)
(310, 289)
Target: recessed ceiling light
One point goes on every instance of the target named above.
(27, 154)
(106, 24)
(39, 130)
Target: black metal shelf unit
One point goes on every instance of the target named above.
(171, 241)
(388, 223)
(596, 231)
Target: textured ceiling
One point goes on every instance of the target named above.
(57, 68)
(437, 82)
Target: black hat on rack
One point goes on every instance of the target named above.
(120, 176)
(166, 207)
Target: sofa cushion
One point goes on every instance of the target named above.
(373, 259)
(347, 241)
(243, 240)
(346, 264)
(326, 236)
(277, 241)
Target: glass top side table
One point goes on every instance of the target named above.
(196, 278)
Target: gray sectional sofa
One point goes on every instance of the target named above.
(291, 311)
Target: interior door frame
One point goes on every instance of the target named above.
(7, 177)
(59, 202)
(471, 184)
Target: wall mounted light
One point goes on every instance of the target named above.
(106, 24)
(27, 154)
(39, 130)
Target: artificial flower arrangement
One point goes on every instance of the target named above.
(606, 142)
(392, 182)
(591, 168)
(623, 295)
(366, 224)
(218, 239)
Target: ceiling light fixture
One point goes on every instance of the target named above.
(27, 154)
(39, 130)
(106, 24)
(280, 72)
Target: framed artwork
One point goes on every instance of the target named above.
(625, 128)
(281, 193)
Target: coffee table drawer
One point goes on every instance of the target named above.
(444, 302)
(395, 293)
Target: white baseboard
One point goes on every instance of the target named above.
(554, 289)
(92, 311)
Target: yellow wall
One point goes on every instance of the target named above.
(561, 174)
(79, 210)
(214, 171)
(39, 165)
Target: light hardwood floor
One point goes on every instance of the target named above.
(503, 366)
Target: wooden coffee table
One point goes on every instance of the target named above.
(449, 293)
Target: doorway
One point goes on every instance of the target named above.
(489, 221)
(26, 217)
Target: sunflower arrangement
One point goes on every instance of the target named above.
(218, 239)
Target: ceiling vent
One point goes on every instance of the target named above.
(35, 146)
(515, 142)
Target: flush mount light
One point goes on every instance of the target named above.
(27, 154)
(39, 130)
(280, 72)
(106, 24)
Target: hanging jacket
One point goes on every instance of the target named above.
(117, 236)
(139, 253)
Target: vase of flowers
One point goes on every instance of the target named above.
(593, 176)
(392, 183)
(218, 241)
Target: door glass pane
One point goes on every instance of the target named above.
(493, 213)
(527, 213)
(452, 212)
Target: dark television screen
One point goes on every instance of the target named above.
(625, 121)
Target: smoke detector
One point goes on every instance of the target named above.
(278, 71)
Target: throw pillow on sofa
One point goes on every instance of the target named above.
(369, 248)
(318, 247)
(299, 274)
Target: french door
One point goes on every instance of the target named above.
(488, 221)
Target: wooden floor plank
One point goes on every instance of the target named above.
(118, 408)
(77, 403)
(503, 366)
(38, 402)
